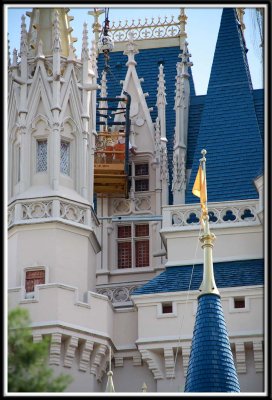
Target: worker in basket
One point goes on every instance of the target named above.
(109, 150)
(120, 146)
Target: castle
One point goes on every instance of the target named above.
(118, 276)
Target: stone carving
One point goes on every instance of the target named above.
(72, 212)
(118, 294)
(37, 210)
(121, 206)
(121, 294)
(11, 212)
(142, 203)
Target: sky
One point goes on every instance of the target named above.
(202, 29)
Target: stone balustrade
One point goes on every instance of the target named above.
(187, 216)
(51, 209)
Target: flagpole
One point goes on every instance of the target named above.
(208, 284)
(206, 215)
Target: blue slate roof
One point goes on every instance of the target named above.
(148, 61)
(229, 128)
(211, 366)
(195, 113)
(258, 97)
(226, 274)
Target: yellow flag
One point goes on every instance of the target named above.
(200, 189)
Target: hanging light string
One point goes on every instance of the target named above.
(105, 44)
(185, 309)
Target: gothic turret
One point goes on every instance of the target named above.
(51, 135)
(41, 28)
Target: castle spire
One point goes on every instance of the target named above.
(229, 94)
(211, 366)
(42, 27)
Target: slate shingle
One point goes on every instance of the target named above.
(226, 274)
(229, 128)
(211, 366)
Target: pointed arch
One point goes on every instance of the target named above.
(39, 92)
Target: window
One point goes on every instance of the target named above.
(133, 245)
(41, 165)
(239, 302)
(167, 308)
(65, 157)
(36, 277)
(139, 177)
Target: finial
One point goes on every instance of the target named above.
(14, 58)
(144, 387)
(131, 50)
(23, 46)
(96, 25)
(84, 52)
(110, 386)
(203, 152)
(103, 92)
(161, 95)
(56, 33)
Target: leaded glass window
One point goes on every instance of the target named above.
(65, 158)
(41, 155)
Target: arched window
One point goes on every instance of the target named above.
(65, 160)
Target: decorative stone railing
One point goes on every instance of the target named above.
(241, 212)
(51, 209)
(118, 295)
(140, 30)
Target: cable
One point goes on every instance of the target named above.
(185, 309)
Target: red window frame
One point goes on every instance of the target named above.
(133, 246)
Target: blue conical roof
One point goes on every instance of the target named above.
(211, 367)
(229, 129)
